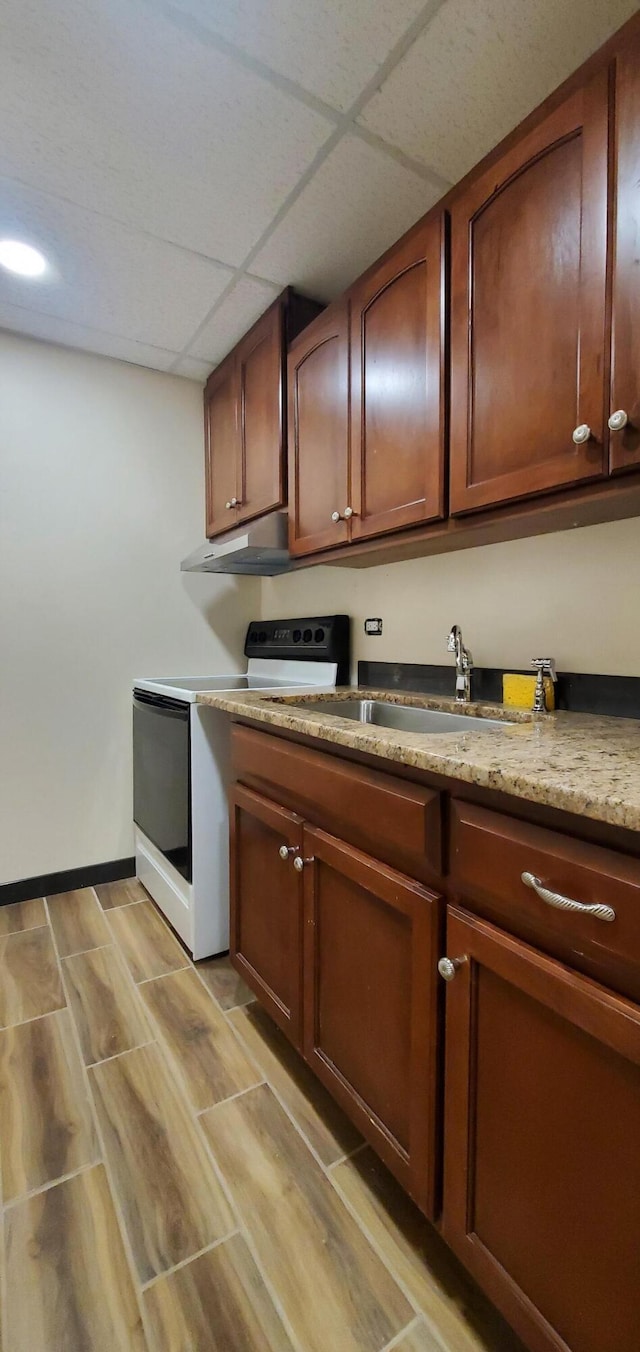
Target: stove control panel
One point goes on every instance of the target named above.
(319, 638)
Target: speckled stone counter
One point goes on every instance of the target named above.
(580, 763)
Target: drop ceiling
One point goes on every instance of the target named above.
(180, 161)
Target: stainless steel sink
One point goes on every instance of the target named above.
(403, 717)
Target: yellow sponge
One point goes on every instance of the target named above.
(518, 691)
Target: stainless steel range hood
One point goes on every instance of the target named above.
(259, 548)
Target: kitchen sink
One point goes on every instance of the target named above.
(403, 717)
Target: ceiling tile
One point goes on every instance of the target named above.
(104, 275)
(331, 48)
(479, 68)
(107, 104)
(356, 205)
(247, 300)
(61, 331)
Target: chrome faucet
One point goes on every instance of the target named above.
(464, 664)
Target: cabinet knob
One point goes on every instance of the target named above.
(335, 516)
(299, 863)
(286, 850)
(348, 512)
(229, 505)
(448, 967)
(581, 434)
(618, 420)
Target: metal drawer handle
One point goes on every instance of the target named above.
(299, 863)
(286, 850)
(597, 910)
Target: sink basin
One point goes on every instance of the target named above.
(403, 717)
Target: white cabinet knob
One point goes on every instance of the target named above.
(348, 512)
(228, 506)
(286, 850)
(618, 420)
(335, 516)
(581, 434)
(299, 863)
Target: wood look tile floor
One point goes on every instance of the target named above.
(173, 1177)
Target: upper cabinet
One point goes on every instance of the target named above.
(397, 387)
(245, 419)
(319, 433)
(366, 403)
(624, 403)
(528, 243)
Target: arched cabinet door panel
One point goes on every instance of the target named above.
(528, 320)
(397, 387)
(319, 433)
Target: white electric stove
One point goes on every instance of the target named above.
(181, 755)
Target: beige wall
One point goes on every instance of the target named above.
(574, 596)
(100, 496)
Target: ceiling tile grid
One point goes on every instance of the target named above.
(164, 152)
(478, 68)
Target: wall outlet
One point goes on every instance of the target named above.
(372, 627)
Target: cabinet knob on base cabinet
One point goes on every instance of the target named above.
(228, 506)
(348, 512)
(335, 517)
(448, 967)
(286, 850)
(581, 434)
(618, 420)
(299, 863)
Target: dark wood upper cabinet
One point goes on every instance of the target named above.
(528, 340)
(625, 358)
(245, 418)
(319, 433)
(397, 387)
(266, 906)
(542, 1123)
(222, 448)
(371, 1016)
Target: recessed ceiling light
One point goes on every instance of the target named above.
(22, 258)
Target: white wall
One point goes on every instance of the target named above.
(101, 494)
(574, 596)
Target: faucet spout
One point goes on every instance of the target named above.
(464, 664)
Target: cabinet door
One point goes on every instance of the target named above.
(542, 1124)
(397, 388)
(319, 433)
(261, 359)
(371, 948)
(266, 906)
(528, 262)
(625, 367)
(222, 447)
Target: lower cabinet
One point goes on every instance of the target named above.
(370, 1022)
(342, 951)
(542, 1141)
(266, 905)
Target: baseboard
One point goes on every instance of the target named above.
(48, 884)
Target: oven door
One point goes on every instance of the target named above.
(162, 775)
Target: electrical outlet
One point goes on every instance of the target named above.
(373, 627)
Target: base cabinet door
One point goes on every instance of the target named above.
(397, 387)
(371, 940)
(528, 312)
(266, 905)
(542, 1133)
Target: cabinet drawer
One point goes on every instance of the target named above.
(395, 821)
(489, 854)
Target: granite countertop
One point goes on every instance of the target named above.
(581, 763)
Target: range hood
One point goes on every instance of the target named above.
(259, 548)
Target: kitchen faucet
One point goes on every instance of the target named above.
(464, 664)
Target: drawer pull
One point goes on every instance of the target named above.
(597, 910)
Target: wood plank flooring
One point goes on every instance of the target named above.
(174, 1179)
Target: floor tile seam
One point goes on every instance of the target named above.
(113, 1194)
(172, 1060)
(22, 1197)
(243, 1228)
(30, 929)
(80, 952)
(123, 958)
(184, 1262)
(288, 1111)
(138, 1002)
(117, 1056)
(398, 1337)
(377, 1248)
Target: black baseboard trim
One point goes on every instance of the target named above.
(48, 884)
(577, 692)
